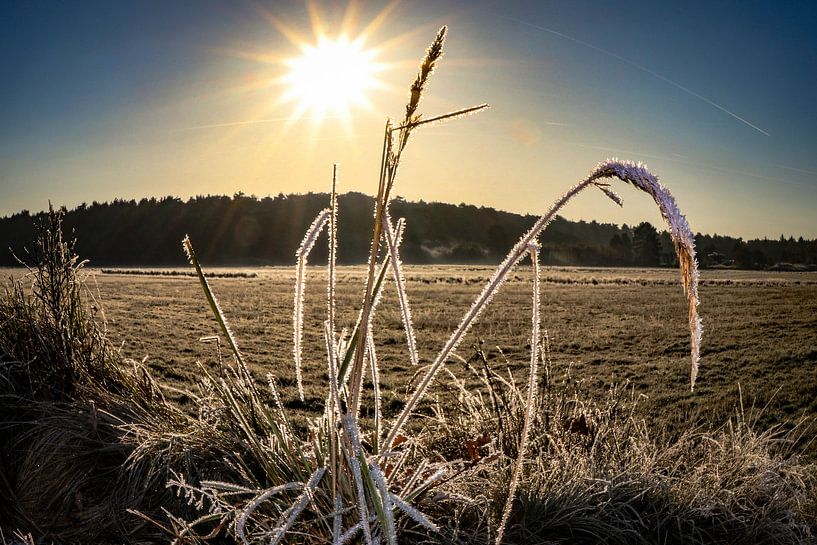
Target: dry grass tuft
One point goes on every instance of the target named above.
(595, 473)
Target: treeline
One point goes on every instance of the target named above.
(246, 230)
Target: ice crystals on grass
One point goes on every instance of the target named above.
(682, 238)
(300, 286)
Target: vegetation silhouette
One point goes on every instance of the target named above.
(247, 230)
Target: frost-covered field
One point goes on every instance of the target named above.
(605, 326)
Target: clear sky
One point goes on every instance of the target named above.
(130, 99)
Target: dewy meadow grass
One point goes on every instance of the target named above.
(356, 488)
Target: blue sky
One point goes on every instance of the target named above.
(129, 99)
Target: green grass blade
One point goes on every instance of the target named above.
(211, 299)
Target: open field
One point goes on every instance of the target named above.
(605, 326)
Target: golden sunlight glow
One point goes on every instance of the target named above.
(331, 77)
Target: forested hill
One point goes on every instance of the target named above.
(245, 230)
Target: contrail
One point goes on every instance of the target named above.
(256, 121)
(643, 69)
(684, 161)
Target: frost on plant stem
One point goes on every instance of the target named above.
(349, 534)
(252, 505)
(415, 514)
(485, 297)
(386, 501)
(333, 249)
(334, 390)
(362, 507)
(337, 520)
(356, 379)
(682, 238)
(428, 483)
(279, 407)
(416, 475)
(289, 516)
(378, 400)
(300, 285)
(390, 161)
(443, 117)
(400, 283)
(533, 250)
(632, 173)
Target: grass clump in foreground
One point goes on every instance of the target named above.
(93, 453)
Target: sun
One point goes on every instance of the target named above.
(331, 77)
(330, 71)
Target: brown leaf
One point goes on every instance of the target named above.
(474, 446)
(473, 453)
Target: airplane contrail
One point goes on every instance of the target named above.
(256, 121)
(707, 166)
(643, 69)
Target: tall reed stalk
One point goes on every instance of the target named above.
(389, 163)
